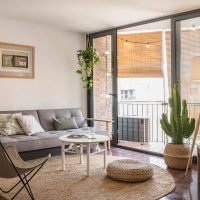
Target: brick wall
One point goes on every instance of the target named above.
(103, 80)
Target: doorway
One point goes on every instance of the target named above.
(144, 82)
(103, 96)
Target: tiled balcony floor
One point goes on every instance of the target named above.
(151, 147)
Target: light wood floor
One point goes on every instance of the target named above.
(154, 147)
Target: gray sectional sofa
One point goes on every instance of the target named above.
(49, 139)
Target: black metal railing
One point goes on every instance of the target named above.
(152, 112)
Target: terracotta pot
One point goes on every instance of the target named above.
(176, 155)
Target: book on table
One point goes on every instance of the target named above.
(81, 136)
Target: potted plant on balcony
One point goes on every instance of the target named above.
(87, 59)
(179, 127)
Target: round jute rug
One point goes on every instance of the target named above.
(51, 183)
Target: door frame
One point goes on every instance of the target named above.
(90, 100)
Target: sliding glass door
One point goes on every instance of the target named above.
(144, 82)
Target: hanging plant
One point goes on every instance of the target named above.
(87, 59)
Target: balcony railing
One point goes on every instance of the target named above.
(152, 112)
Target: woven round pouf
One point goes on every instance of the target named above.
(129, 170)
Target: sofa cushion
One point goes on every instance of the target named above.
(78, 114)
(64, 123)
(9, 125)
(29, 124)
(35, 142)
(46, 117)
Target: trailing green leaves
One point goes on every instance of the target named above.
(87, 59)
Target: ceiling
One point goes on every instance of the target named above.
(87, 16)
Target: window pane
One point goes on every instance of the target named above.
(190, 64)
(144, 80)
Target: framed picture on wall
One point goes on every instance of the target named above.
(16, 61)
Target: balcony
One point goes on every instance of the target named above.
(139, 124)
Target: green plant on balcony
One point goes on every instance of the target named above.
(179, 126)
(87, 59)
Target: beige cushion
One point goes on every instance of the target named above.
(9, 125)
(129, 170)
(29, 124)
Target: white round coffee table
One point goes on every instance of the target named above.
(84, 141)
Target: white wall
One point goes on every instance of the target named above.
(56, 85)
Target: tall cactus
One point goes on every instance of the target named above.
(179, 126)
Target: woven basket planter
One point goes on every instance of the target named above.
(176, 155)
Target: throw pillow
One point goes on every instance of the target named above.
(29, 124)
(9, 125)
(65, 123)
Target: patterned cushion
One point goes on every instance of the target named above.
(129, 170)
(9, 125)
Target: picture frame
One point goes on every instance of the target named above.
(17, 61)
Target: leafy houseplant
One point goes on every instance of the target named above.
(87, 59)
(179, 126)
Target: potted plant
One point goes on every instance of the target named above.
(179, 127)
(87, 59)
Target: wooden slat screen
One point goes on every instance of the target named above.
(136, 59)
